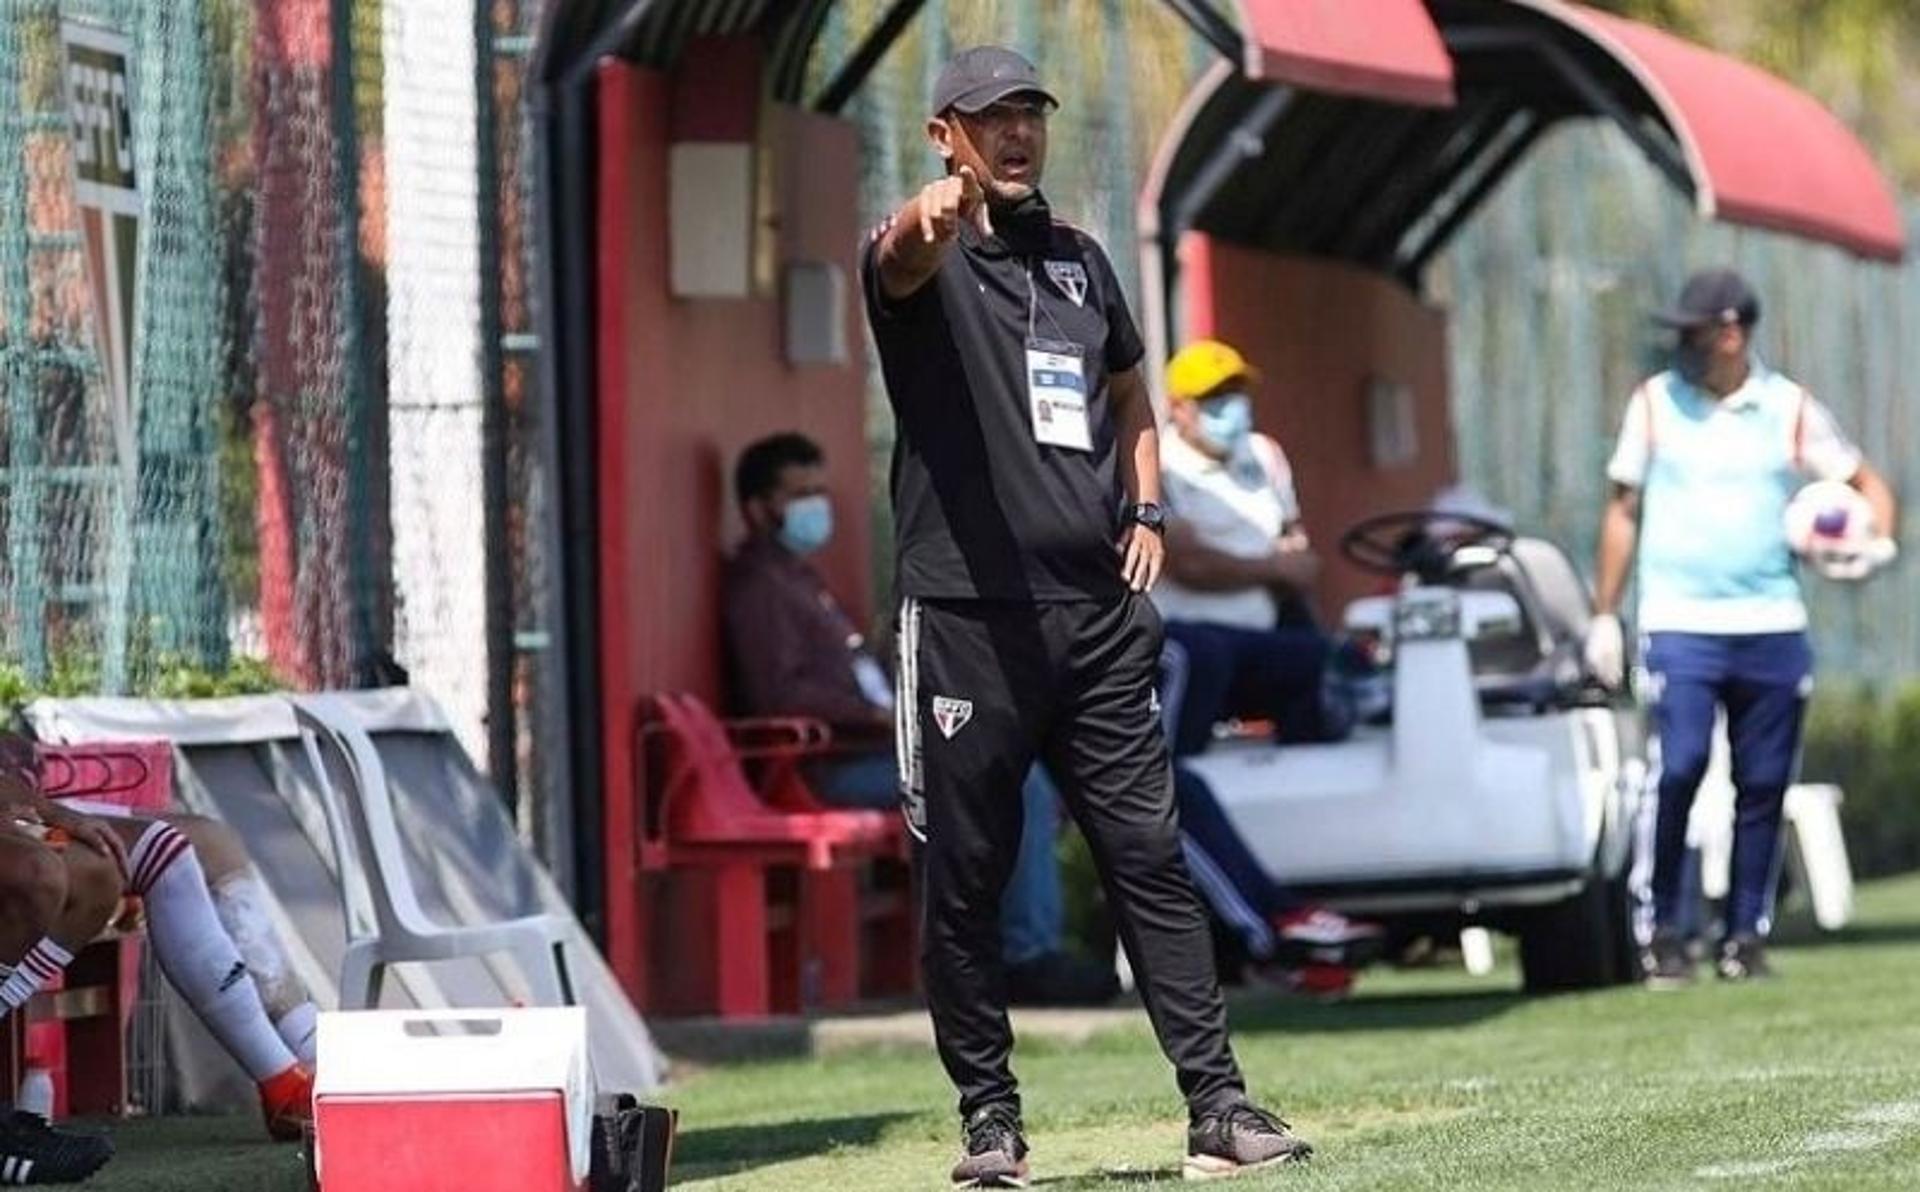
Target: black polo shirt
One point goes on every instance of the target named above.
(982, 509)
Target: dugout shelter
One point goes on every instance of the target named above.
(699, 212)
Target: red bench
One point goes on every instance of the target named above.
(77, 1027)
(785, 925)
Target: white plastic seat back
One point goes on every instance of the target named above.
(353, 783)
(337, 746)
(331, 768)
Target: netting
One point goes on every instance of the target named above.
(310, 410)
(67, 452)
(525, 570)
(261, 423)
(431, 253)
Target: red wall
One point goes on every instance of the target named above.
(1318, 332)
(683, 386)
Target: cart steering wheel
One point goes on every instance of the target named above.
(1421, 541)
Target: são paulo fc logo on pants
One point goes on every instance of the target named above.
(951, 715)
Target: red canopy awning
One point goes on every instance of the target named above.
(1760, 152)
(1369, 131)
(1377, 49)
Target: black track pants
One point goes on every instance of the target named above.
(985, 688)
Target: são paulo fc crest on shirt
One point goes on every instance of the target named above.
(951, 715)
(1070, 278)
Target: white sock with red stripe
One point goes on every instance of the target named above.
(42, 963)
(196, 954)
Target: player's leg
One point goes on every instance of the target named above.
(54, 905)
(1766, 703)
(33, 888)
(241, 900)
(1041, 969)
(42, 903)
(67, 894)
(200, 961)
(1686, 671)
(1305, 947)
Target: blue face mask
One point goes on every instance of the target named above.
(808, 524)
(1226, 421)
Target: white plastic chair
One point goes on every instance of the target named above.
(361, 822)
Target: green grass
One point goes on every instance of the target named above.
(1426, 1080)
(199, 1154)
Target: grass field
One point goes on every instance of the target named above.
(1426, 1080)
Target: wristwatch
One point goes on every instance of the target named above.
(1149, 515)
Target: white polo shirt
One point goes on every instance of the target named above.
(1715, 478)
(1237, 506)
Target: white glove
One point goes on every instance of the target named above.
(1606, 650)
(1861, 563)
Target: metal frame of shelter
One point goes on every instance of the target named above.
(1247, 159)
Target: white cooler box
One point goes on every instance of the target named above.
(453, 1101)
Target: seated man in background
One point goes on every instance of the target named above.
(795, 652)
(1239, 567)
(62, 876)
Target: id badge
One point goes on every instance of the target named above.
(1057, 394)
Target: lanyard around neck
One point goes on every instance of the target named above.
(1033, 309)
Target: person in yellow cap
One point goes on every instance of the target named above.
(1241, 643)
(1239, 565)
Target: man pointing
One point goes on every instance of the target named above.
(1027, 523)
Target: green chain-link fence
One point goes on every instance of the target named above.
(257, 411)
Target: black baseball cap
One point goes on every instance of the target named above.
(984, 75)
(1712, 296)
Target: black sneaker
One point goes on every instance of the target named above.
(1668, 964)
(1742, 958)
(33, 1152)
(1237, 1140)
(1060, 979)
(996, 1151)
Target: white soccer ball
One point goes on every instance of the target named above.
(1830, 525)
